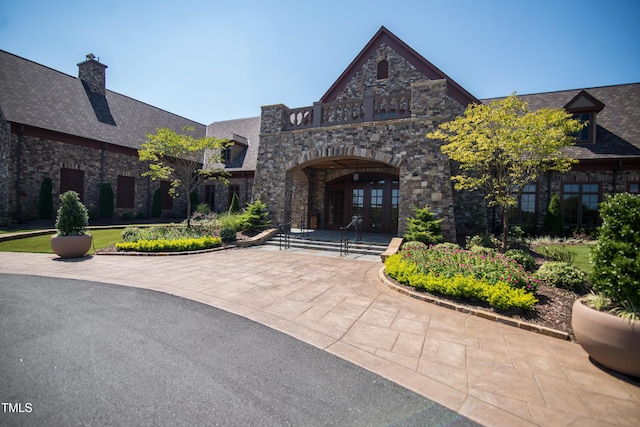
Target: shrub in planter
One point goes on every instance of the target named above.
(561, 275)
(616, 255)
(613, 339)
(523, 258)
(71, 223)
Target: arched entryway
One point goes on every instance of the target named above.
(371, 196)
(327, 192)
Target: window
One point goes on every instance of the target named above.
(525, 212)
(72, 179)
(580, 204)
(633, 187)
(383, 69)
(584, 135)
(167, 200)
(226, 155)
(125, 199)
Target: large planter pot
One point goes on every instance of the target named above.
(610, 340)
(71, 246)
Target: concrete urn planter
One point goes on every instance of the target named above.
(609, 339)
(71, 246)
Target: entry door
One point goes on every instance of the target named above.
(368, 202)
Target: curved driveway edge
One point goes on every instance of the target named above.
(492, 373)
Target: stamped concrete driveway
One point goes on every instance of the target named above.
(84, 353)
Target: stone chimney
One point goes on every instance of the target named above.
(92, 73)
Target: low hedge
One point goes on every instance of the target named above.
(498, 295)
(175, 245)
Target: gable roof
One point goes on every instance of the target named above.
(617, 122)
(385, 36)
(243, 132)
(38, 96)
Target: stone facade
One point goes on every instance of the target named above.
(5, 177)
(287, 182)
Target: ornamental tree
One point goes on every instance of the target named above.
(187, 161)
(502, 146)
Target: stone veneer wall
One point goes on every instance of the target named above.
(424, 172)
(5, 141)
(42, 157)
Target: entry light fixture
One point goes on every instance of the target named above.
(356, 176)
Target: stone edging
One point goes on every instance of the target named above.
(480, 313)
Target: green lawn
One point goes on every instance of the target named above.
(40, 244)
(581, 259)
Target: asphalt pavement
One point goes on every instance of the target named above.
(84, 353)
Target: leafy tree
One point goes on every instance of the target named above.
(423, 228)
(554, 220)
(45, 199)
(188, 161)
(502, 146)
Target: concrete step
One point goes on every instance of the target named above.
(364, 248)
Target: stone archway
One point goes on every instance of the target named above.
(327, 189)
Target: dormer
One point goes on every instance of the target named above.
(232, 152)
(585, 107)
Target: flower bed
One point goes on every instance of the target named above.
(458, 273)
(174, 245)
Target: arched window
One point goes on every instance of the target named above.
(383, 69)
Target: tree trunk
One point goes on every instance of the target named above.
(505, 229)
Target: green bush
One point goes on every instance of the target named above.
(484, 241)
(423, 228)
(553, 220)
(498, 295)
(234, 207)
(175, 245)
(106, 200)
(255, 217)
(73, 217)
(491, 268)
(156, 204)
(523, 258)
(561, 275)
(616, 254)
(448, 245)
(560, 253)
(228, 234)
(45, 199)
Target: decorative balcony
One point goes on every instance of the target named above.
(369, 109)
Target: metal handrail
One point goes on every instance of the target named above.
(286, 233)
(356, 223)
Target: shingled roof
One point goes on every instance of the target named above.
(244, 131)
(617, 124)
(38, 96)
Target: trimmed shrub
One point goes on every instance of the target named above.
(616, 254)
(560, 253)
(423, 228)
(413, 245)
(554, 220)
(234, 207)
(498, 295)
(106, 200)
(523, 258)
(228, 234)
(175, 245)
(561, 275)
(156, 204)
(73, 217)
(45, 199)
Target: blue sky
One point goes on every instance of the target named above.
(212, 60)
